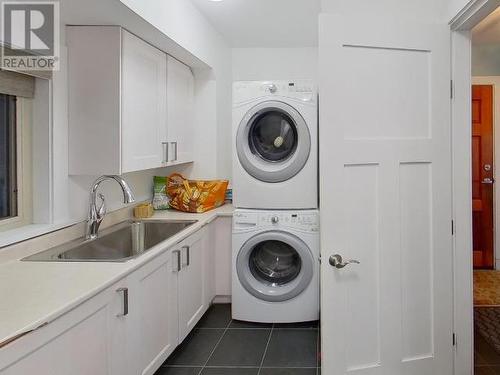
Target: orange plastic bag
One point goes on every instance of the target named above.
(195, 196)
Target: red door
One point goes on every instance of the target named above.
(482, 175)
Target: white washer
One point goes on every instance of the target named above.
(275, 269)
(275, 147)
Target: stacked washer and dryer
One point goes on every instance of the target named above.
(275, 274)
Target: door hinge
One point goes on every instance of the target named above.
(454, 340)
(451, 89)
(453, 227)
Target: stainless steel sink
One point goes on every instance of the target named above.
(118, 243)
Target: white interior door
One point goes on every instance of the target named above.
(386, 197)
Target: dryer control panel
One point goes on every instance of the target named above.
(307, 220)
(303, 90)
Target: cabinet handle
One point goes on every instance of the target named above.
(188, 255)
(178, 260)
(125, 301)
(165, 152)
(174, 144)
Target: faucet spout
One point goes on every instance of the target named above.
(96, 215)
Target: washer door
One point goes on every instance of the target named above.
(273, 142)
(275, 266)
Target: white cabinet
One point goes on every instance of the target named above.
(88, 340)
(144, 111)
(117, 101)
(180, 113)
(153, 326)
(192, 286)
(131, 107)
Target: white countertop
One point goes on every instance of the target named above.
(36, 293)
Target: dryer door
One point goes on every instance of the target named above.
(273, 142)
(275, 266)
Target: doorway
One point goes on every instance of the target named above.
(485, 71)
(475, 37)
(486, 287)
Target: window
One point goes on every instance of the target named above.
(16, 106)
(8, 157)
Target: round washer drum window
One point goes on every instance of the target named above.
(273, 136)
(275, 263)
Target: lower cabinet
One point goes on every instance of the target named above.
(130, 328)
(91, 339)
(152, 331)
(192, 286)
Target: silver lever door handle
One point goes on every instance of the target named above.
(488, 181)
(337, 261)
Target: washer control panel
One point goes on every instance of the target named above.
(301, 220)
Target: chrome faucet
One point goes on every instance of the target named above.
(96, 215)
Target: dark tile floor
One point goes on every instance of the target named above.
(486, 359)
(222, 346)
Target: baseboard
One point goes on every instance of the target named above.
(221, 299)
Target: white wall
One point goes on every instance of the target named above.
(486, 60)
(495, 81)
(181, 21)
(275, 63)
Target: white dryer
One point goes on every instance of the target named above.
(275, 269)
(275, 148)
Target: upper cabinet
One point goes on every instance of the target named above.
(180, 113)
(118, 105)
(143, 104)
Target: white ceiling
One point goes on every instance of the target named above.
(264, 23)
(488, 30)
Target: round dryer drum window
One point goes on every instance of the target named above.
(273, 142)
(275, 266)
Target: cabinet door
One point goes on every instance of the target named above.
(153, 309)
(192, 288)
(88, 340)
(94, 81)
(144, 89)
(180, 110)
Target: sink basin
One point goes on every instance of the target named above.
(118, 243)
